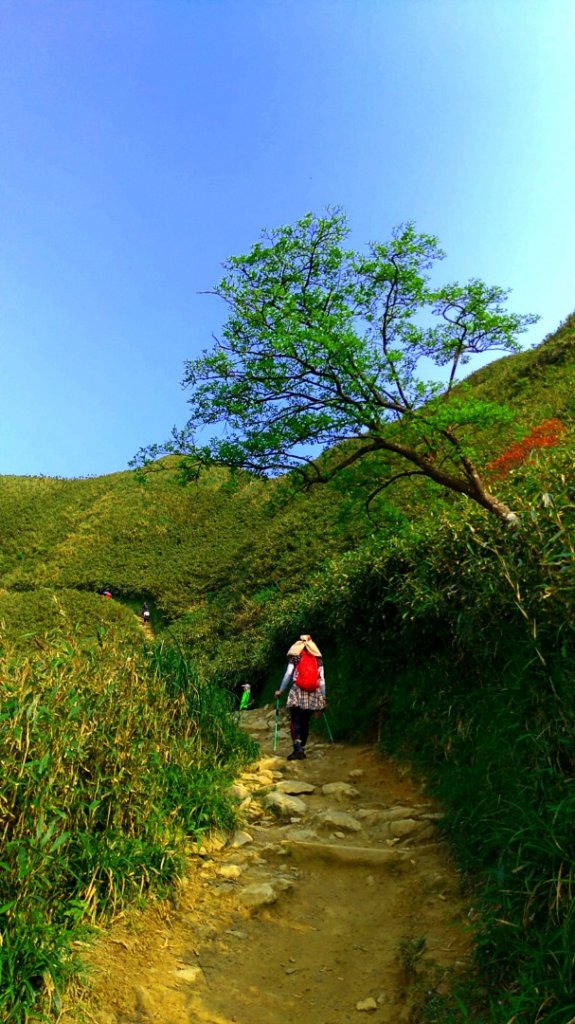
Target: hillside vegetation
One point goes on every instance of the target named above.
(448, 638)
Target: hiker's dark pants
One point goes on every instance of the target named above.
(299, 724)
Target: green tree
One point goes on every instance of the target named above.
(324, 350)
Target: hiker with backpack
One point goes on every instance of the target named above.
(305, 676)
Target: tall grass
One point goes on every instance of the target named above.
(110, 762)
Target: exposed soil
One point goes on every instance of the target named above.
(345, 906)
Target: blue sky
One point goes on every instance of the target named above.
(142, 142)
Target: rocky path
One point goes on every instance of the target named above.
(334, 900)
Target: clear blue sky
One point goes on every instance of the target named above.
(145, 141)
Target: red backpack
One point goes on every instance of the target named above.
(306, 672)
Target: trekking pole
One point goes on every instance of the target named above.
(276, 724)
(329, 732)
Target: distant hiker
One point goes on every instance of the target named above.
(304, 674)
(145, 614)
(246, 694)
(106, 593)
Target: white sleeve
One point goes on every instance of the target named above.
(287, 677)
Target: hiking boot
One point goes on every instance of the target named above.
(297, 753)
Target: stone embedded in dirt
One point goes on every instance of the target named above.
(283, 884)
(208, 845)
(214, 842)
(245, 855)
(189, 974)
(294, 787)
(366, 1004)
(257, 782)
(300, 835)
(357, 773)
(339, 820)
(241, 839)
(269, 764)
(255, 896)
(371, 816)
(375, 816)
(285, 806)
(428, 832)
(239, 791)
(372, 856)
(339, 790)
(393, 813)
(259, 726)
(229, 870)
(253, 812)
(404, 827)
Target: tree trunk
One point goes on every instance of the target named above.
(469, 483)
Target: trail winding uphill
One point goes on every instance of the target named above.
(334, 900)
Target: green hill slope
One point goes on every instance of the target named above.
(153, 539)
(210, 556)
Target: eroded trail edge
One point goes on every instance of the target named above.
(334, 898)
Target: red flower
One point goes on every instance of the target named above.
(545, 435)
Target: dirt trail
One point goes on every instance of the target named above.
(327, 904)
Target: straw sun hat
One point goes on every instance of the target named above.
(305, 641)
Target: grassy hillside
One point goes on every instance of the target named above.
(150, 538)
(211, 556)
(447, 637)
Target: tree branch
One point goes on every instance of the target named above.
(382, 487)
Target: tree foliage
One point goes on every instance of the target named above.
(325, 350)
